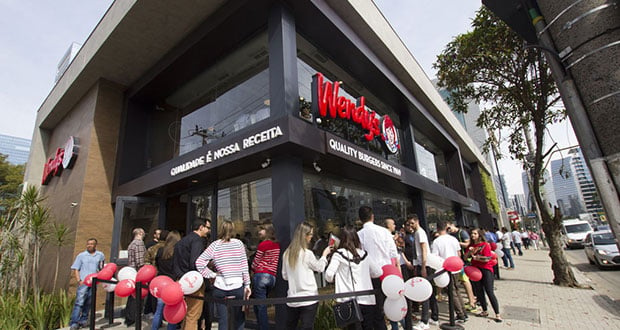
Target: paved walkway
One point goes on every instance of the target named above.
(527, 300)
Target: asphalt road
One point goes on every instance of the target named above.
(605, 282)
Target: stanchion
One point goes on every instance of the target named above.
(93, 299)
(452, 325)
(138, 306)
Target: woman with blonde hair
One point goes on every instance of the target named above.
(232, 277)
(298, 266)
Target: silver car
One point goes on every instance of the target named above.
(601, 249)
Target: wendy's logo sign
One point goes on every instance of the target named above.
(328, 102)
(63, 158)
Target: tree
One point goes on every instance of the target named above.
(11, 178)
(491, 66)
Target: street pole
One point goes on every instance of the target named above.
(582, 126)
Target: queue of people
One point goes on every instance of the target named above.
(355, 265)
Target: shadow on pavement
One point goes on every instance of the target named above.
(608, 304)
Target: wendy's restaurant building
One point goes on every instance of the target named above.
(247, 111)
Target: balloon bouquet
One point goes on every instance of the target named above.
(161, 287)
(416, 288)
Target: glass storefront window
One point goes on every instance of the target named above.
(331, 203)
(247, 205)
(430, 159)
(435, 212)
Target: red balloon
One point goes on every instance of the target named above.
(146, 273)
(388, 270)
(172, 294)
(175, 313)
(453, 264)
(88, 280)
(158, 284)
(125, 288)
(145, 292)
(105, 274)
(473, 273)
(111, 267)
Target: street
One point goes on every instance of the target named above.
(605, 282)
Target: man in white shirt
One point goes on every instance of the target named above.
(516, 238)
(506, 241)
(446, 246)
(421, 247)
(379, 244)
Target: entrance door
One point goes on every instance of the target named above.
(132, 212)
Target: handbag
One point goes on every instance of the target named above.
(348, 312)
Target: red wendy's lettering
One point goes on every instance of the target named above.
(53, 166)
(330, 103)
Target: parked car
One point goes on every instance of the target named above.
(601, 249)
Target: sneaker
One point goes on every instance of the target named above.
(74, 326)
(421, 326)
(462, 319)
(433, 322)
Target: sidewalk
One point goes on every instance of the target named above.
(527, 300)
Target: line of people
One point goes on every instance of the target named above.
(354, 266)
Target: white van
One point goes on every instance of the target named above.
(574, 231)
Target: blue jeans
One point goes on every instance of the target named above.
(263, 283)
(79, 315)
(507, 258)
(238, 317)
(158, 316)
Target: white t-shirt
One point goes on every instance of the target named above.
(446, 246)
(338, 271)
(516, 236)
(506, 240)
(420, 237)
(301, 282)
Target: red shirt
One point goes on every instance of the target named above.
(481, 249)
(267, 256)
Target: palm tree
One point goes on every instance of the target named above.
(59, 236)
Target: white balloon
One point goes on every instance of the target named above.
(434, 261)
(499, 252)
(395, 308)
(418, 289)
(127, 273)
(191, 282)
(392, 286)
(442, 280)
(109, 287)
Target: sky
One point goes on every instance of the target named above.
(36, 34)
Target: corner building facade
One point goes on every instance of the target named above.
(179, 110)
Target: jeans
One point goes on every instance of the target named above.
(238, 317)
(157, 317)
(79, 315)
(303, 314)
(519, 248)
(263, 283)
(507, 258)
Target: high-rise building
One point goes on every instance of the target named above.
(546, 188)
(576, 192)
(16, 148)
(519, 204)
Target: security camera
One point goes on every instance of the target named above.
(266, 163)
(316, 167)
(74, 204)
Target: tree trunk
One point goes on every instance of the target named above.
(562, 272)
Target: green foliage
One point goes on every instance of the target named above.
(11, 178)
(491, 66)
(325, 316)
(50, 311)
(489, 192)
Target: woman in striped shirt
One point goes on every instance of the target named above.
(232, 278)
(265, 266)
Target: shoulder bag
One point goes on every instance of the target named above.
(348, 312)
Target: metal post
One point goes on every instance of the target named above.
(138, 312)
(452, 325)
(583, 128)
(93, 303)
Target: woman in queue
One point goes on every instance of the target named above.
(480, 252)
(232, 277)
(351, 270)
(165, 266)
(265, 266)
(298, 266)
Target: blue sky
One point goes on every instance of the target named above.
(36, 34)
